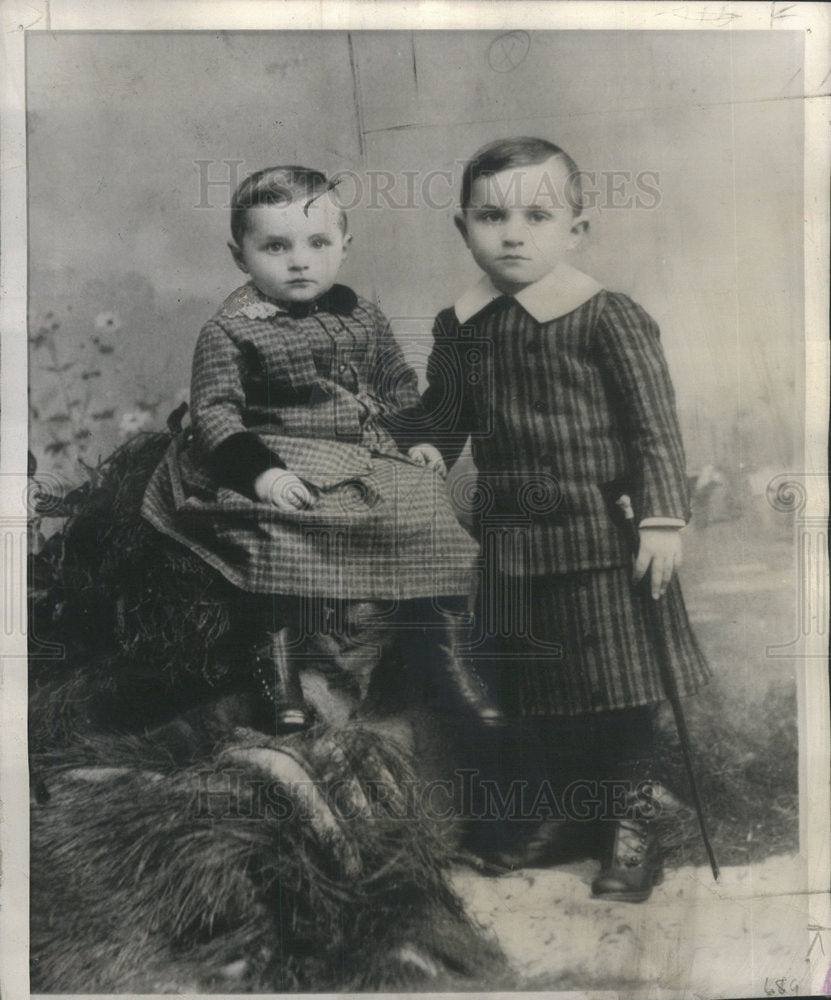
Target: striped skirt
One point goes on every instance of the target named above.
(571, 643)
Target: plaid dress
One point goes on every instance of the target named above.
(567, 409)
(328, 392)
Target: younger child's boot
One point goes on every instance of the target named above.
(631, 863)
(456, 676)
(462, 677)
(276, 675)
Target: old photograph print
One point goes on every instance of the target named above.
(414, 727)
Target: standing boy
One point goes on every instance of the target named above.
(563, 389)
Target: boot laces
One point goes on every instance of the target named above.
(632, 840)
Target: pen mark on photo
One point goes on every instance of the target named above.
(816, 938)
(508, 51)
(25, 27)
(779, 15)
(716, 19)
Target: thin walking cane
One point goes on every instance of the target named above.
(657, 627)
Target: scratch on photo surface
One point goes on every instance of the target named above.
(356, 91)
(415, 63)
(595, 112)
(796, 74)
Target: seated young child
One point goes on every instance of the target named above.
(293, 483)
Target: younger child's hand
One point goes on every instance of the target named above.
(660, 549)
(426, 454)
(282, 489)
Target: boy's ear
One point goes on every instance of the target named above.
(236, 253)
(461, 225)
(578, 231)
(347, 243)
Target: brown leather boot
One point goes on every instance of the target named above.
(631, 864)
(279, 682)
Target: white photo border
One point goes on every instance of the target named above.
(19, 18)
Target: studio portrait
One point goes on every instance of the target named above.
(416, 447)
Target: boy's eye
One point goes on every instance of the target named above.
(317, 242)
(275, 246)
(490, 215)
(539, 216)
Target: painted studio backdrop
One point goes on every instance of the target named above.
(693, 167)
(692, 153)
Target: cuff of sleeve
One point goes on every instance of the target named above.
(403, 427)
(239, 459)
(662, 522)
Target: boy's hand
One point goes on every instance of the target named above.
(283, 490)
(660, 549)
(426, 454)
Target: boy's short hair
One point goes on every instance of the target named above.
(277, 186)
(520, 151)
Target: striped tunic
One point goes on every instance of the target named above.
(564, 416)
(326, 394)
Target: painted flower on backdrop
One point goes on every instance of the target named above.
(107, 322)
(134, 422)
(47, 327)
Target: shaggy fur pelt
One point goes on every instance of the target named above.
(301, 863)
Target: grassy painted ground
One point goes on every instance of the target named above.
(740, 582)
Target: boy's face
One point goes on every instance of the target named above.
(292, 255)
(519, 224)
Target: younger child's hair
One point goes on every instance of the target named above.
(277, 186)
(520, 151)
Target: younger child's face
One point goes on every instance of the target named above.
(519, 225)
(292, 255)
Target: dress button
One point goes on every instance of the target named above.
(343, 368)
(533, 346)
(540, 406)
